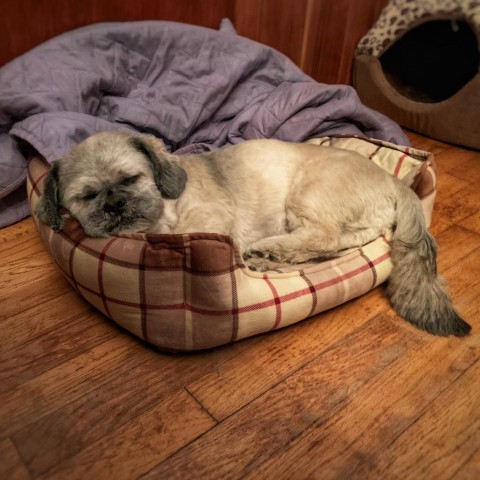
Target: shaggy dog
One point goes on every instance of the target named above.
(284, 203)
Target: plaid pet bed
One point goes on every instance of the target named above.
(193, 291)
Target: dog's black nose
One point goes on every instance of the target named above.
(114, 206)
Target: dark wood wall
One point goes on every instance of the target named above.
(318, 35)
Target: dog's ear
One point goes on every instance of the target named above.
(169, 177)
(48, 208)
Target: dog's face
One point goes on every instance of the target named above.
(112, 182)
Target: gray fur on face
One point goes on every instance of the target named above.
(112, 182)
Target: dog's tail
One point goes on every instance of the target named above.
(415, 290)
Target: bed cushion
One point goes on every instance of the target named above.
(193, 291)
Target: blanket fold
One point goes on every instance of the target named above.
(195, 88)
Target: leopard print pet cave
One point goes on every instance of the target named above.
(419, 64)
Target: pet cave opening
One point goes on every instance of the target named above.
(433, 61)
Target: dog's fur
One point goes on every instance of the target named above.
(282, 202)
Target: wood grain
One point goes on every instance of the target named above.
(19, 247)
(17, 230)
(355, 392)
(223, 393)
(242, 442)
(424, 143)
(464, 281)
(66, 431)
(28, 280)
(333, 31)
(472, 222)
(470, 470)
(26, 23)
(277, 23)
(11, 465)
(445, 436)
(34, 323)
(350, 452)
(454, 245)
(140, 444)
(76, 334)
(62, 384)
(448, 185)
(457, 207)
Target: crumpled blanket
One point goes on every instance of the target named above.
(195, 88)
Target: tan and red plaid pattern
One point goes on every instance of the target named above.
(193, 291)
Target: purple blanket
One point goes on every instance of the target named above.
(196, 88)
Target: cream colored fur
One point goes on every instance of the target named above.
(289, 202)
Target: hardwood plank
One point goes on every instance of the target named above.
(463, 164)
(450, 159)
(29, 281)
(470, 470)
(71, 428)
(78, 333)
(447, 435)
(40, 320)
(66, 382)
(448, 185)
(439, 225)
(20, 247)
(139, 445)
(348, 444)
(472, 222)
(454, 245)
(11, 466)
(455, 208)
(464, 282)
(17, 230)
(280, 354)
(26, 269)
(244, 440)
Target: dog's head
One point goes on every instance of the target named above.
(112, 182)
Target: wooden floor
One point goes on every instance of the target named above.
(353, 393)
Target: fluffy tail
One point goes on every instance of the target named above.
(415, 290)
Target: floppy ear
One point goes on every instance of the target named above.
(169, 177)
(48, 207)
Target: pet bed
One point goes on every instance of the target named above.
(419, 65)
(193, 291)
(197, 89)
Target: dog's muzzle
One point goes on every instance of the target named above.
(114, 204)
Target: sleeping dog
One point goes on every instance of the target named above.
(284, 203)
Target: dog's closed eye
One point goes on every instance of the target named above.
(90, 195)
(127, 181)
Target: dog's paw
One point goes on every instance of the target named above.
(254, 260)
(259, 254)
(256, 264)
(259, 261)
